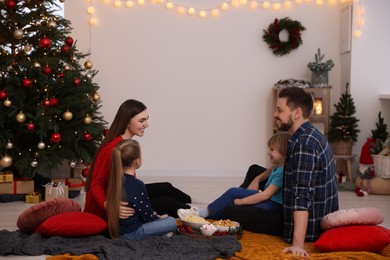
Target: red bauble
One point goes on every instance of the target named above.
(11, 4)
(53, 101)
(44, 43)
(30, 126)
(85, 172)
(46, 102)
(55, 138)
(60, 75)
(87, 136)
(27, 83)
(76, 82)
(105, 131)
(69, 41)
(3, 94)
(65, 49)
(47, 70)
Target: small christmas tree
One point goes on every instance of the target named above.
(49, 104)
(379, 135)
(343, 125)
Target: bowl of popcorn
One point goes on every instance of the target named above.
(194, 221)
(207, 229)
(226, 225)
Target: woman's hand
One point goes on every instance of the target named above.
(125, 211)
(238, 202)
(296, 250)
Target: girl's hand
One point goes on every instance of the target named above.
(296, 250)
(125, 211)
(238, 202)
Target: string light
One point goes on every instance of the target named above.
(359, 21)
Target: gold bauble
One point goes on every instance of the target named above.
(96, 97)
(52, 24)
(41, 145)
(20, 117)
(88, 65)
(37, 65)
(18, 34)
(7, 103)
(27, 48)
(87, 120)
(6, 161)
(67, 115)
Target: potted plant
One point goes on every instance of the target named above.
(343, 129)
(319, 70)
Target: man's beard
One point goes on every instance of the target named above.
(285, 126)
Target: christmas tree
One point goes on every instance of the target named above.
(379, 135)
(48, 103)
(343, 125)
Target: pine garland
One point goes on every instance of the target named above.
(271, 35)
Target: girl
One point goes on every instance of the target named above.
(123, 186)
(270, 199)
(131, 120)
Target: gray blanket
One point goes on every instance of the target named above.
(176, 247)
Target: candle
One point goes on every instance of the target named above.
(318, 106)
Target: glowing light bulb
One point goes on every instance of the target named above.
(266, 5)
(129, 4)
(224, 6)
(243, 2)
(140, 2)
(357, 33)
(359, 21)
(117, 4)
(92, 21)
(253, 4)
(319, 2)
(276, 6)
(181, 10)
(202, 14)
(287, 4)
(169, 6)
(235, 3)
(214, 12)
(106, 1)
(90, 10)
(191, 11)
(298, 2)
(332, 2)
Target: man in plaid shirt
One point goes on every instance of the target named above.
(310, 185)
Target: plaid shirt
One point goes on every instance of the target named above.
(309, 181)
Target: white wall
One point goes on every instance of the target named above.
(370, 68)
(207, 82)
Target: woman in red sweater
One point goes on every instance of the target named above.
(130, 120)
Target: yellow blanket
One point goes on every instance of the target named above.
(261, 246)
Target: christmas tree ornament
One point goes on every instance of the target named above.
(85, 172)
(20, 117)
(3, 94)
(46, 102)
(52, 24)
(60, 75)
(87, 120)
(87, 136)
(66, 67)
(27, 48)
(72, 164)
(47, 70)
(18, 34)
(7, 103)
(105, 131)
(27, 83)
(89, 75)
(96, 97)
(55, 138)
(54, 102)
(41, 145)
(88, 65)
(6, 161)
(30, 126)
(67, 115)
(69, 41)
(65, 49)
(37, 65)
(44, 43)
(34, 164)
(10, 4)
(76, 82)
(9, 145)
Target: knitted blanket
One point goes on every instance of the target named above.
(176, 247)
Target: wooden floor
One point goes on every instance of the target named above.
(203, 190)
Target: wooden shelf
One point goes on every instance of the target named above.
(384, 96)
(320, 121)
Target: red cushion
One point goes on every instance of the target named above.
(369, 238)
(72, 224)
(32, 217)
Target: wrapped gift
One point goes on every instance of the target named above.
(6, 176)
(33, 197)
(74, 184)
(55, 190)
(18, 186)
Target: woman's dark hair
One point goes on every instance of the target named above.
(127, 110)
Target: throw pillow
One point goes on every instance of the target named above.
(72, 224)
(354, 238)
(32, 217)
(354, 216)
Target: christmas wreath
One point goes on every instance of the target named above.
(271, 35)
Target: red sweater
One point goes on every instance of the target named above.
(96, 196)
